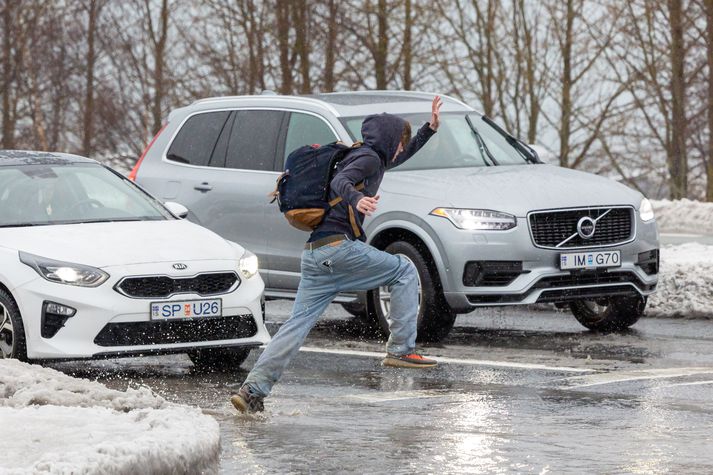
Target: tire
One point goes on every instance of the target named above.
(435, 317)
(356, 309)
(12, 332)
(219, 359)
(609, 314)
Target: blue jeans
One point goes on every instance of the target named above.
(326, 271)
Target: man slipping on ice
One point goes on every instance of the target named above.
(336, 258)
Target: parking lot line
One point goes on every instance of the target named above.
(461, 361)
(628, 376)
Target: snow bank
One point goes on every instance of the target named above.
(685, 286)
(684, 216)
(54, 423)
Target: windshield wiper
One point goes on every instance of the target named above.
(525, 150)
(481, 144)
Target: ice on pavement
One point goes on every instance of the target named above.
(54, 423)
(685, 286)
(684, 216)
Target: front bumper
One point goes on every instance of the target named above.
(541, 280)
(108, 323)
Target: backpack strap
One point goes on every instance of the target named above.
(352, 221)
(334, 202)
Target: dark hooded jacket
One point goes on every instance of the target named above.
(381, 134)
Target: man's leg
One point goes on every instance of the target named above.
(309, 305)
(370, 268)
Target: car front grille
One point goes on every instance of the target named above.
(176, 331)
(164, 286)
(558, 229)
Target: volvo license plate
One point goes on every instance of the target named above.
(590, 260)
(186, 309)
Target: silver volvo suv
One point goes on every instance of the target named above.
(484, 221)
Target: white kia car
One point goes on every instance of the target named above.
(93, 266)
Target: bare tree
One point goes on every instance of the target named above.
(709, 56)
(677, 163)
(331, 45)
(408, 48)
(158, 36)
(92, 13)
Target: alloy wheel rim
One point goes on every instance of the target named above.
(385, 293)
(7, 334)
(594, 307)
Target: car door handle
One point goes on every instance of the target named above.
(203, 187)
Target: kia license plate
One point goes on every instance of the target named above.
(590, 260)
(186, 309)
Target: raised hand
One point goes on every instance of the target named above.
(436, 113)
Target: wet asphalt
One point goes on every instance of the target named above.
(517, 391)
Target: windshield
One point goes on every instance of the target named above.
(65, 194)
(456, 145)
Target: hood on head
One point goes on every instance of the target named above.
(382, 132)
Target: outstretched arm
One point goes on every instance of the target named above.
(422, 136)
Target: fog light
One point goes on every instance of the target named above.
(54, 316)
(59, 309)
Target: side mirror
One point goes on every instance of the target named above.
(176, 209)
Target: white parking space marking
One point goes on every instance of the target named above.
(396, 396)
(628, 376)
(469, 362)
(694, 383)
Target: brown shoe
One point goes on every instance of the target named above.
(246, 402)
(412, 360)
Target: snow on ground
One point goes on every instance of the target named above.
(685, 286)
(54, 423)
(684, 216)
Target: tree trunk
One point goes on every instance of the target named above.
(159, 57)
(677, 161)
(329, 54)
(283, 39)
(709, 164)
(8, 126)
(302, 44)
(89, 98)
(566, 122)
(382, 47)
(408, 48)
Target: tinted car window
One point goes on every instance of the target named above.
(305, 129)
(254, 139)
(195, 143)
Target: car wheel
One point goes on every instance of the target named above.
(608, 314)
(219, 359)
(435, 317)
(356, 309)
(12, 332)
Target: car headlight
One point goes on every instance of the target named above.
(65, 272)
(646, 210)
(248, 265)
(477, 219)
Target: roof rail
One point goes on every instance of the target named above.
(403, 93)
(263, 96)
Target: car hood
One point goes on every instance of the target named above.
(511, 189)
(121, 243)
